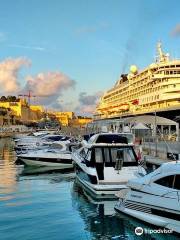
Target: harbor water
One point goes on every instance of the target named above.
(40, 204)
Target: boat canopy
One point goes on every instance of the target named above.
(109, 155)
(108, 138)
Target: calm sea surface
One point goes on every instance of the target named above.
(42, 205)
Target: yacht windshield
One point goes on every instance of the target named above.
(110, 156)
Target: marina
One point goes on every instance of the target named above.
(50, 202)
(90, 120)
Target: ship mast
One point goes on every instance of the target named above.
(161, 57)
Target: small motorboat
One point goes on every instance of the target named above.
(154, 198)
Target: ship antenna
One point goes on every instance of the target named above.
(162, 57)
(159, 51)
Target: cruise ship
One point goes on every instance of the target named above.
(153, 89)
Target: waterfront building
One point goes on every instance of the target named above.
(153, 89)
(80, 121)
(64, 117)
(37, 108)
(37, 112)
(69, 119)
(19, 108)
(7, 117)
(22, 111)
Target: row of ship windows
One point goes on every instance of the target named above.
(170, 66)
(151, 88)
(145, 100)
(139, 84)
(135, 91)
(149, 99)
(145, 81)
(169, 72)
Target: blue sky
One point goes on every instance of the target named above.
(90, 41)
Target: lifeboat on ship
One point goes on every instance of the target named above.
(116, 108)
(135, 102)
(124, 107)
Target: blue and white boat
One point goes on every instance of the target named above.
(154, 198)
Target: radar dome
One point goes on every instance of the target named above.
(133, 69)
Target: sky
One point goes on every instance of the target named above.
(68, 52)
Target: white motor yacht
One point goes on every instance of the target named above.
(154, 198)
(105, 164)
(39, 142)
(52, 157)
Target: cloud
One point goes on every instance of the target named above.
(9, 74)
(36, 48)
(57, 106)
(87, 103)
(86, 99)
(86, 110)
(60, 105)
(49, 86)
(176, 31)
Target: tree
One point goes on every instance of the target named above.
(3, 99)
(11, 98)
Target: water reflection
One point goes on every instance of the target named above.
(8, 170)
(30, 170)
(102, 222)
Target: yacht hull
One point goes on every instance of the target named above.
(65, 163)
(149, 218)
(101, 191)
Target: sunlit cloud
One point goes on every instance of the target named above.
(47, 86)
(9, 74)
(50, 86)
